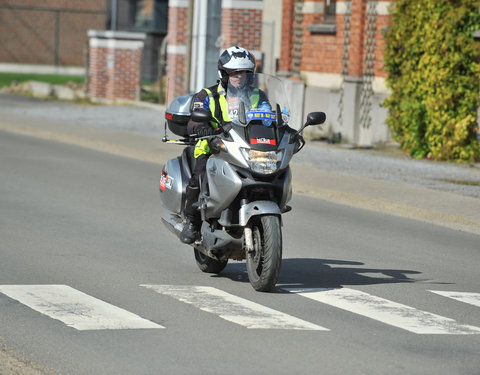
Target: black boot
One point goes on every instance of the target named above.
(190, 232)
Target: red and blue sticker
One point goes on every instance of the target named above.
(164, 181)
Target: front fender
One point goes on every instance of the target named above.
(257, 208)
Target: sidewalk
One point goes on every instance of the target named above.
(453, 207)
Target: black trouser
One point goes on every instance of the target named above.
(193, 188)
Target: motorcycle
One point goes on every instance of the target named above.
(248, 181)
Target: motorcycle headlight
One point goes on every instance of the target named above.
(264, 162)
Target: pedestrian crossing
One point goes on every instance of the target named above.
(81, 311)
(470, 298)
(74, 308)
(385, 311)
(234, 309)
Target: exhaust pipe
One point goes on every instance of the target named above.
(174, 223)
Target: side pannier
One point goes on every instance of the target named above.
(178, 114)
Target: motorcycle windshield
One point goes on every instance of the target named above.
(256, 98)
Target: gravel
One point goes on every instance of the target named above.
(388, 164)
(392, 166)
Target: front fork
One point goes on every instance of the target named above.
(247, 232)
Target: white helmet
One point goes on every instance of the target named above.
(235, 59)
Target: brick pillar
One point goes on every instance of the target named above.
(176, 47)
(288, 15)
(115, 64)
(242, 26)
(357, 35)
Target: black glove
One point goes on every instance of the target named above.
(204, 130)
(214, 145)
(299, 138)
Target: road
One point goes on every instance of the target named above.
(111, 291)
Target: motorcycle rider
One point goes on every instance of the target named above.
(234, 66)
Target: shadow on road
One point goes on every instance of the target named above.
(325, 273)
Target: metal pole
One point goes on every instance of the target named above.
(162, 53)
(202, 45)
(272, 48)
(86, 56)
(57, 39)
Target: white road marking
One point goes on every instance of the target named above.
(74, 308)
(467, 297)
(388, 312)
(234, 309)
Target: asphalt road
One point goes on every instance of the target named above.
(87, 225)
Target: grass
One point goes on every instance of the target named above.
(149, 93)
(459, 182)
(6, 79)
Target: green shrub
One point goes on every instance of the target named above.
(434, 76)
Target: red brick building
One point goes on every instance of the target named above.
(331, 53)
(48, 32)
(336, 49)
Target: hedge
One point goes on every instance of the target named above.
(433, 70)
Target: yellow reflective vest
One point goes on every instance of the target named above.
(201, 147)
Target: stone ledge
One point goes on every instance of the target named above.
(323, 28)
(121, 35)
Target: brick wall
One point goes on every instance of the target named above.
(323, 52)
(242, 27)
(383, 21)
(64, 4)
(49, 31)
(176, 48)
(288, 19)
(126, 74)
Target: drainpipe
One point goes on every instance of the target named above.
(113, 26)
(199, 45)
(188, 55)
(203, 50)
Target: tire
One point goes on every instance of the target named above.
(264, 262)
(207, 264)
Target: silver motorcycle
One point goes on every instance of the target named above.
(248, 181)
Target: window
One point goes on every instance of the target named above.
(328, 25)
(330, 11)
(150, 15)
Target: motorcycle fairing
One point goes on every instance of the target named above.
(225, 181)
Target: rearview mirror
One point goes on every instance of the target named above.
(316, 118)
(201, 115)
(313, 118)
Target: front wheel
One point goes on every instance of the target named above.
(263, 263)
(207, 264)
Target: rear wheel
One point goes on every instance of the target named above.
(207, 264)
(263, 263)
